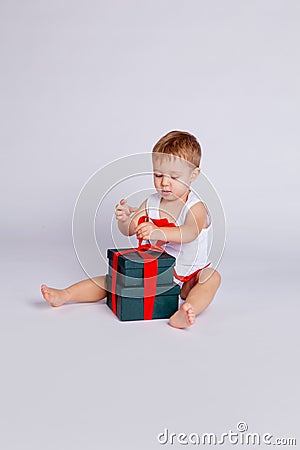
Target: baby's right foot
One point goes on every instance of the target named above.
(56, 297)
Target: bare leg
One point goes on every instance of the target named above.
(90, 290)
(197, 298)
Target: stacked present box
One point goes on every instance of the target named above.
(140, 283)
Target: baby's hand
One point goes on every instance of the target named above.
(123, 211)
(147, 230)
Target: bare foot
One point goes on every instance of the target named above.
(56, 297)
(184, 317)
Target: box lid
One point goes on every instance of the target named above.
(134, 260)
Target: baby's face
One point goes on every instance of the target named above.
(172, 176)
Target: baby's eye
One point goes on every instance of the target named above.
(174, 178)
(157, 175)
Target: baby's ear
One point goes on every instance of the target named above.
(195, 173)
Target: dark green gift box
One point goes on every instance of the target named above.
(130, 301)
(131, 267)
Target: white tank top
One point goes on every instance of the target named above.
(190, 256)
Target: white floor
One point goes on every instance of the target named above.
(76, 377)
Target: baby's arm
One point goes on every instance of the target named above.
(127, 223)
(194, 222)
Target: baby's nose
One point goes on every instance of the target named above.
(165, 180)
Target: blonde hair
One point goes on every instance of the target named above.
(180, 143)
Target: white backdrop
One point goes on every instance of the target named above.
(86, 82)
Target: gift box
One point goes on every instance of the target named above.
(140, 283)
(130, 267)
(132, 304)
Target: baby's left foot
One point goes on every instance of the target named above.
(184, 317)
